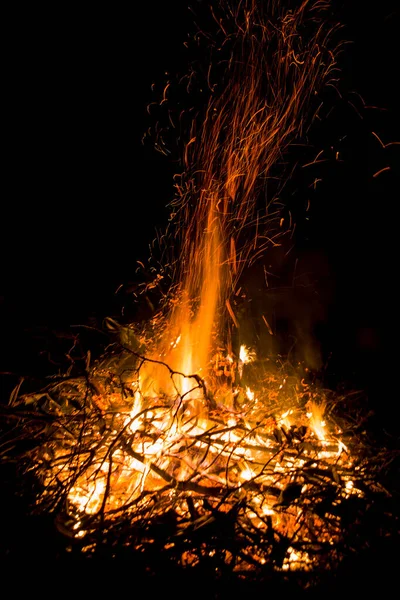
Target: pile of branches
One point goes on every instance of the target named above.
(75, 458)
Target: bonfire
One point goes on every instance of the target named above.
(181, 442)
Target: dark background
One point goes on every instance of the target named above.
(82, 196)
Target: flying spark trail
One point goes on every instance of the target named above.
(263, 100)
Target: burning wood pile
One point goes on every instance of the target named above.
(255, 476)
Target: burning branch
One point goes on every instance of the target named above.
(276, 478)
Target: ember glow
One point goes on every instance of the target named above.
(178, 423)
(127, 454)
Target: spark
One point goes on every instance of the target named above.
(381, 171)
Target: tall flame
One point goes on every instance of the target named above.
(259, 106)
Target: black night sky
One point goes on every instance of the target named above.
(82, 196)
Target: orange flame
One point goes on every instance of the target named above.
(263, 104)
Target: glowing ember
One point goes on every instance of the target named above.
(119, 461)
(135, 457)
(246, 356)
(316, 420)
